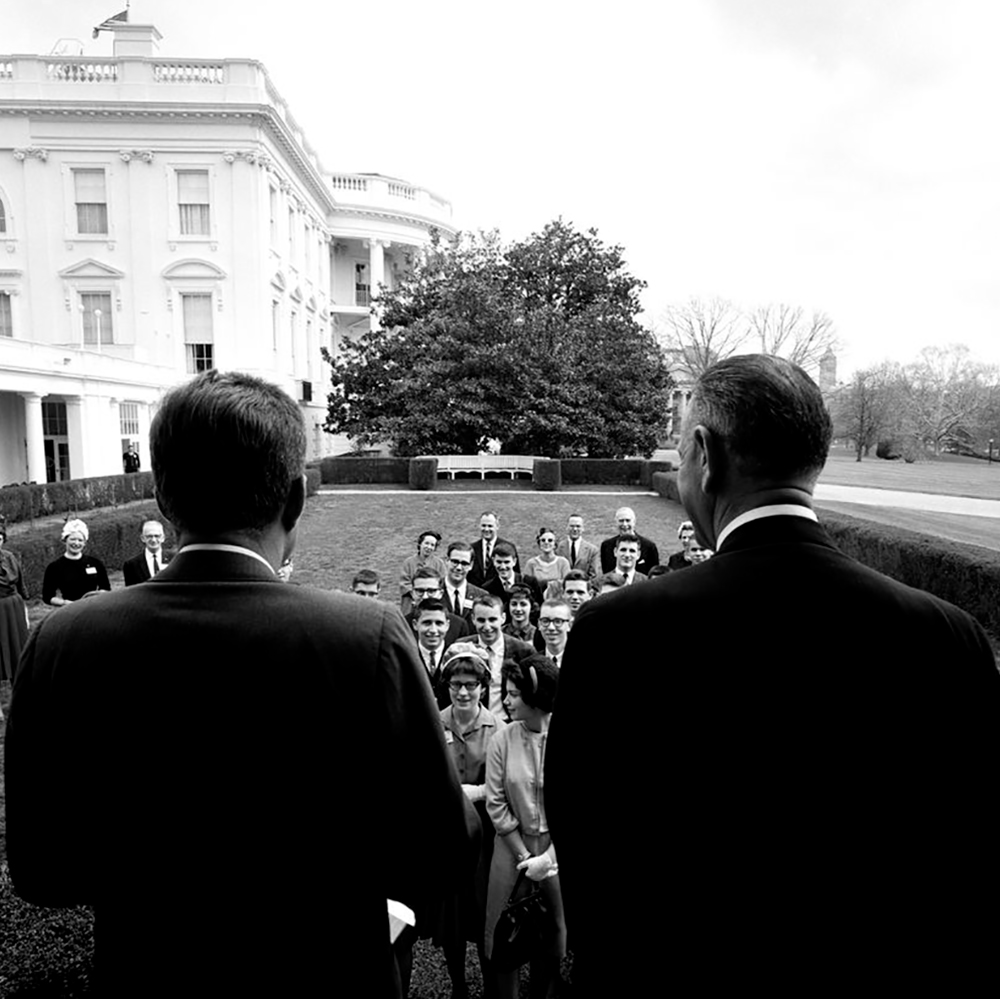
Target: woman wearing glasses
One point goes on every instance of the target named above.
(468, 730)
(516, 804)
(546, 566)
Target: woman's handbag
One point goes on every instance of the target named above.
(525, 927)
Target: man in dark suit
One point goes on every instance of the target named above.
(824, 738)
(649, 554)
(459, 593)
(235, 843)
(488, 618)
(482, 550)
(149, 562)
(505, 577)
(428, 585)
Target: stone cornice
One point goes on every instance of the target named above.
(387, 215)
(262, 114)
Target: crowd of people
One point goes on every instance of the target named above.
(828, 798)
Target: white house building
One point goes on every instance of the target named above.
(162, 216)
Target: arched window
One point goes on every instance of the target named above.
(3, 216)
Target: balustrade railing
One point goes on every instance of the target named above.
(76, 71)
(189, 72)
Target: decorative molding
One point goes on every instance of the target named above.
(279, 281)
(37, 151)
(193, 269)
(91, 269)
(251, 156)
(146, 155)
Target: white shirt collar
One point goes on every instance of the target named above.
(236, 549)
(760, 512)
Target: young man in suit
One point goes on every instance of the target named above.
(459, 592)
(428, 585)
(149, 562)
(627, 559)
(649, 554)
(488, 618)
(482, 550)
(826, 737)
(225, 847)
(505, 577)
(580, 554)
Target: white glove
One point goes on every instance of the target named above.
(538, 868)
(474, 792)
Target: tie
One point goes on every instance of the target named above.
(156, 564)
(488, 546)
(572, 551)
(432, 656)
(455, 603)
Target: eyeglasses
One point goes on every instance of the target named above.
(427, 590)
(458, 685)
(455, 561)
(553, 622)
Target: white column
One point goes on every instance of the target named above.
(76, 431)
(34, 437)
(376, 268)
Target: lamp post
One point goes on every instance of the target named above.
(990, 460)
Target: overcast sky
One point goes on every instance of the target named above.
(842, 155)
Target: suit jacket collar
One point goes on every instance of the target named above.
(775, 531)
(214, 566)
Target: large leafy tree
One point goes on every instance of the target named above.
(535, 344)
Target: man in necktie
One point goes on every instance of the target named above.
(149, 562)
(459, 591)
(430, 622)
(483, 549)
(626, 557)
(554, 622)
(580, 553)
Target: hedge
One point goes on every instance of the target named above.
(965, 575)
(313, 480)
(365, 471)
(21, 503)
(423, 473)
(602, 471)
(547, 474)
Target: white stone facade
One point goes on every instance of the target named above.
(159, 216)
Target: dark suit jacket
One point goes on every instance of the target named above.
(495, 586)
(814, 781)
(458, 627)
(471, 592)
(479, 572)
(649, 554)
(136, 570)
(213, 831)
(514, 650)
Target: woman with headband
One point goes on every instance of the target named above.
(73, 575)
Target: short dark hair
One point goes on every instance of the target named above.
(459, 546)
(630, 538)
(574, 576)
(608, 579)
(369, 577)
(430, 604)
(225, 449)
(769, 413)
(657, 570)
(427, 534)
(522, 591)
(504, 550)
(426, 572)
(536, 678)
(544, 530)
(488, 600)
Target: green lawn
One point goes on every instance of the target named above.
(949, 475)
(46, 952)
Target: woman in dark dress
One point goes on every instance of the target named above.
(73, 575)
(13, 618)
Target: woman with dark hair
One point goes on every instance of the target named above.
(73, 575)
(546, 566)
(13, 617)
(469, 730)
(427, 544)
(515, 802)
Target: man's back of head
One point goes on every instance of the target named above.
(225, 449)
(769, 413)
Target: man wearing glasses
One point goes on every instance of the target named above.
(459, 592)
(146, 564)
(553, 622)
(428, 585)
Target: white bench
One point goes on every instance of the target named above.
(483, 463)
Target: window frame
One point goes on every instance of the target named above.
(174, 227)
(71, 229)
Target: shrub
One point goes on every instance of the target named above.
(365, 471)
(313, 480)
(547, 474)
(665, 483)
(423, 473)
(47, 499)
(602, 471)
(650, 468)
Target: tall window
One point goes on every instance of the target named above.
(97, 321)
(198, 337)
(273, 207)
(192, 200)
(362, 290)
(6, 317)
(128, 418)
(291, 234)
(275, 324)
(3, 218)
(90, 192)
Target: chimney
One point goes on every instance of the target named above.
(133, 40)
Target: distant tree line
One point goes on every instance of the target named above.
(945, 400)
